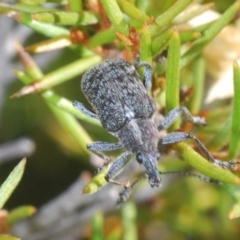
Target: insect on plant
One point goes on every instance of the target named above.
(121, 102)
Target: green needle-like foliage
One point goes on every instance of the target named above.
(161, 32)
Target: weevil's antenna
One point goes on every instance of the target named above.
(189, 174)
(128, 188)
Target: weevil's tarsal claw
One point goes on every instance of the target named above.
(124, 195)
(128, 188)
(230, 165)
(105, 164)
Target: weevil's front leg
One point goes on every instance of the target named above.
(127, 190)
(84, 109)
(116, 167)
(172, 116)
(99, 147)
(176, 137)
(147, 75)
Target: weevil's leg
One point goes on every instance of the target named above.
(84, 109)
(127, 190)
(98, 147)
(116, 167)
(172, 116)
(189, 174)
(176, 137)
(147, 75)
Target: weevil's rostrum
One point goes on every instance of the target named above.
(116, 94)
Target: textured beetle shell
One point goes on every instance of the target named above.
(116, 94)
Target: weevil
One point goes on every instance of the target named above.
(121, 102)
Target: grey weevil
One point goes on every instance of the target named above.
(121, 102)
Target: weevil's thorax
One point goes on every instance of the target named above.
(139, 135)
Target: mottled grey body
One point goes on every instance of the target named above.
(125, 109)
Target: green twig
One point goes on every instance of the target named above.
(172, 75)
(235, 131)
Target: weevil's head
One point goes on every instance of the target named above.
(149, 161)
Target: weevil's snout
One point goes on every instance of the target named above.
(150, 163)
(154, 180)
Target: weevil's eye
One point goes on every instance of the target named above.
(158, 156)
(139, 158)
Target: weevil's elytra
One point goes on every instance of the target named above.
(116, 94)
(121, 102)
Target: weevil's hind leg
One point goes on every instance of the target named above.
(172, 116)
(116, 167)
(98, 148)
(147, 75)
(84, 109)
(176, 137)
